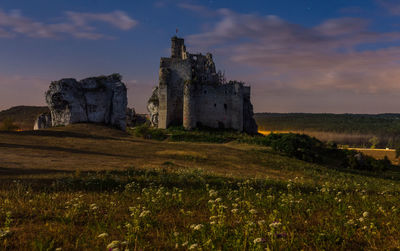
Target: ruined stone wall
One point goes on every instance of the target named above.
(173, 74)
(192, 93)
(203, 68)
(219, 106)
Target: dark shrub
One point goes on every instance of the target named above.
(300, 146)
(146, 132)
(358, 161)
(8, 125)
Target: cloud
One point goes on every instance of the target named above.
(392, 6)
(200, 9)
(340, 54)
(75, 24)
(117, 18)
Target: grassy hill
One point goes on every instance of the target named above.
(87, 187)
(355, 130)
(23, 116)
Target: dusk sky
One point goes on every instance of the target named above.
(333, 56)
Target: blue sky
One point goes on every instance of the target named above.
(298, 55)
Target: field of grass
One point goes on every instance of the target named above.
(87, 187)
(354, 130)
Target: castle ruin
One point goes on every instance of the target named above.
(191, 93)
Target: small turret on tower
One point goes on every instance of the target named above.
(178, 49)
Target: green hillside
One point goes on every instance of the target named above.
(88, 187)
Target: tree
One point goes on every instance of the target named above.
(8, 125)
(374, 141)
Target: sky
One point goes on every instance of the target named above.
(336, 56)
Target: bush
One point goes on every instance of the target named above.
(146, 132)
(8, 125)
(300, 146)
(202, 134)
(358, 161)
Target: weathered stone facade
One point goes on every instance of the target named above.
(191, 93)
(97, 100)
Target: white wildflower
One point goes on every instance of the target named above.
(103, 235)
(261, 222)
(193, 246)
(144, 213)
(257, 240)
(113, 245)
(275, 224)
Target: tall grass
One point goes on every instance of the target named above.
(190, 210)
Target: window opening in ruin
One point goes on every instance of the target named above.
(215, 105)
(225, 107)
(205, 91)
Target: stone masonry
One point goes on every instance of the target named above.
(191, 93)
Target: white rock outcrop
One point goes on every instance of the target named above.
(42, 121)
(97, 100)
(152, 107)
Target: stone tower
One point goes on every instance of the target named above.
(192, 94)
(178, 49)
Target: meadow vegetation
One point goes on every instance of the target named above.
(354, 130)
(299, 146)
(87, 187)
(188, 209)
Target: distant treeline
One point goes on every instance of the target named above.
(351, 129)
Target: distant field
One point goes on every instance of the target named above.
(348, 139)
(88, 187)
(380, 154)
(347, 129)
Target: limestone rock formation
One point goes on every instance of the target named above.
(42, 121)
(152, 107)
(98, 99)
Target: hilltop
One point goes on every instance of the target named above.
(23, 116)
(86, 186)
